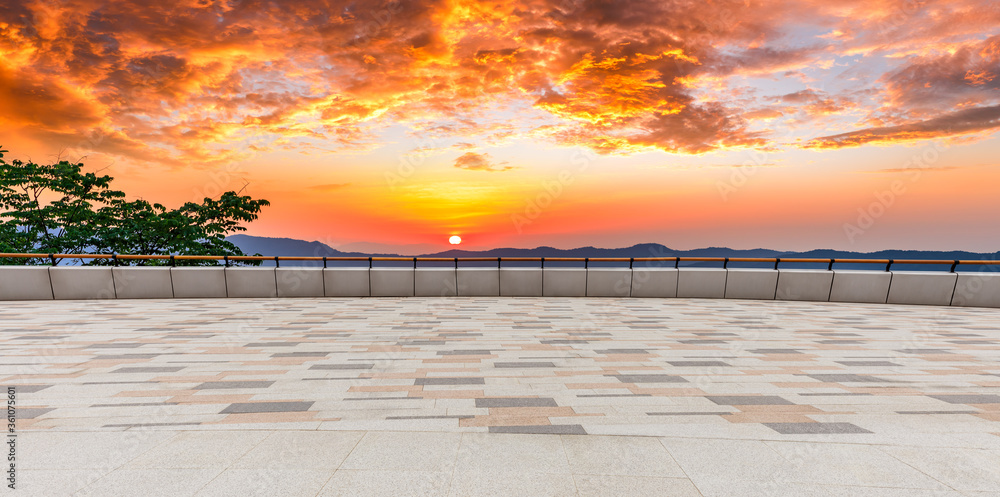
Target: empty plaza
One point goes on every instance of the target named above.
(502, 396)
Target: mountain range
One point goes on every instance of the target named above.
(293, 247)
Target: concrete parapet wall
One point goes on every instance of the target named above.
(478, 282)
(701, 283)
(654, 282)
(757, 284)
(804, 284)
(143, 282)
(81, 283)
(609, 282)
(435, 282)
(923, 288)
(129, 282)
(860, 286)
(520, 282)
(300, 282)
(391, 282)
(347, 282)
(251, 282)
(564, 282)
(977, 290)
(199, 282)
(25, 283)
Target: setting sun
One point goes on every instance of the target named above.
(455, 240)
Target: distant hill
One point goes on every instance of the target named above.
(292, 247)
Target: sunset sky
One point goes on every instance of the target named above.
(791, 125)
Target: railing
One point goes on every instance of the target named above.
(115, 258)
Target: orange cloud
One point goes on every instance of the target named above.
(209, 82)
(473, 161)
(961, 122)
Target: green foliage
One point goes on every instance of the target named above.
(58, 208)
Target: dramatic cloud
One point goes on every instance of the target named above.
(203, 82)
(480, 162)
(962, 122)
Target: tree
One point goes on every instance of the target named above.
(57, 208)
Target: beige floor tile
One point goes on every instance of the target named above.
(151, 482)
(372, 483)
(488, 482)
(512, 453)
(51, 482)
(973, 470)
(613, 486)
(301, 450)
(199, 449)
(266, 482)
(633, 456)
(405, 451)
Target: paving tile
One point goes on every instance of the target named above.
(449, 381)
(966, 470)
(968, 399)
(252, 407)
(514, 365)
(867, 363)
(30, 388)
(615, 485)
(847, 378)
(814, 428)
(32, 412)
(648, 378)
(198, 449)
(151, 482)
(301, 450)
(381, 483)
(500, 483)
(53, 482)
(405, 451)
(516, 402)
(631, 456)
(540, 429)
(704, 364)
(224, 385)
(341, 366)
(150, 369)
(301, 354)
(266, 482)
(748, 400)
(848, 464)
(95, 450)
(538, 453)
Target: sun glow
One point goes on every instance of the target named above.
(455, 240)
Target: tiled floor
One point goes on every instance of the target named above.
(487, 396)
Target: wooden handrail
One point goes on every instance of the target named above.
(238, 258)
